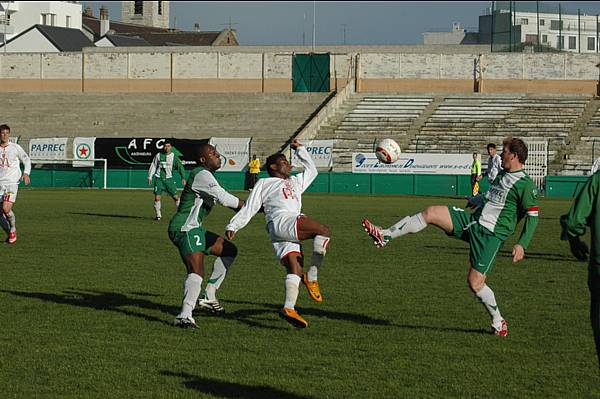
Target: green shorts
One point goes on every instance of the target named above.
(195, 240)
(483, 244)
(167, 185)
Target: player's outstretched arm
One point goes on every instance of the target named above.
(247, 212)
(153, 168)
(24, 158)
(310, 169)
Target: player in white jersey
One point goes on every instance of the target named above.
(10, 175)
(494, 163)
(281, 197)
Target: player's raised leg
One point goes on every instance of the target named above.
(226, 253)
(293, 263)
(437, 215)
(320, 233)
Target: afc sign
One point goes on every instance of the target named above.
(145, 143)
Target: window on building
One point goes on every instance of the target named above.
(160, 8)
(544, 39)
(542, 22)
(138, 7)
(524, 21)
(572, 42)
(556, 24)
(44, 19)
(531, 39)
(68, 21)
(591, 43)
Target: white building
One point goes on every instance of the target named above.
(18, 16)
(148, 13)
(575, 33)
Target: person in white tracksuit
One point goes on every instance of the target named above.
(11, 154)
(280, 195)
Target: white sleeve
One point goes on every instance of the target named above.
(305, 178)
(493, 170)
(25, 159)
(206, 183)
(153, 166)
(596, 165)
(250, 208)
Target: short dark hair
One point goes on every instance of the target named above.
(272, 160)
(4, 127)
(491, 145)
(516, 146)
(167, 142)
(201, 149)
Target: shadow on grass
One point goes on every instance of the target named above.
(99, 300)
(504, 252)
(224, 389)
(245, 316)
(108, 215)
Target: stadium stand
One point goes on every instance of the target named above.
(365, 118)
(586, 148)
(269, 118)
(453, 123)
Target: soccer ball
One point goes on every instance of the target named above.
(387, 151)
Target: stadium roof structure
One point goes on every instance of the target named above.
(63, 39)
(163, 36)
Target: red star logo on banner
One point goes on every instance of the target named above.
(83, 152)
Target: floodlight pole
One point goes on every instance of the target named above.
(314, 24)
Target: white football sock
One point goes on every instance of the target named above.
(220, 268)
(486, 296)
(12, 221)
(320, 244)
(410, 224)
(292, 282)
(157, 209)
(191, 292)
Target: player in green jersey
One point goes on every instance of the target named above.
(161, 174)
(585, 211)
(194, 242)
(512, 195)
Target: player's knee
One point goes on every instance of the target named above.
(475, 284)
(325, 231)
(229, 249)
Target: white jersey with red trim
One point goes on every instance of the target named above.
(277, 196)
(10, 170)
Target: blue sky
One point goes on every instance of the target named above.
(280, 23)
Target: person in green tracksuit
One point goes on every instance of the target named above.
(585, 212)
(511, 197)
(161, 174)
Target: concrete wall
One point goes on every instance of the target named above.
(192, 70)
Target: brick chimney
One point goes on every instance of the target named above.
(104, 21)
(88, 12)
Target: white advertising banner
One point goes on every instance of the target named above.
(83, 149)
(447, 164)
(14, 139)
(48, 149)
(235, 153)
(321, 152)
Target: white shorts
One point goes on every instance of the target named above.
(8, 192)
(283, 231)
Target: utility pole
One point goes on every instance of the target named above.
(344, 27)
(314, 24)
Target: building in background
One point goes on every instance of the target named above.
(458, 35)
(46, 39)
(19, 16)
(147, 13)
(511, 26)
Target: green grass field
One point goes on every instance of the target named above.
(89, 292)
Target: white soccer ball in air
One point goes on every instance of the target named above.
(387, 151)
